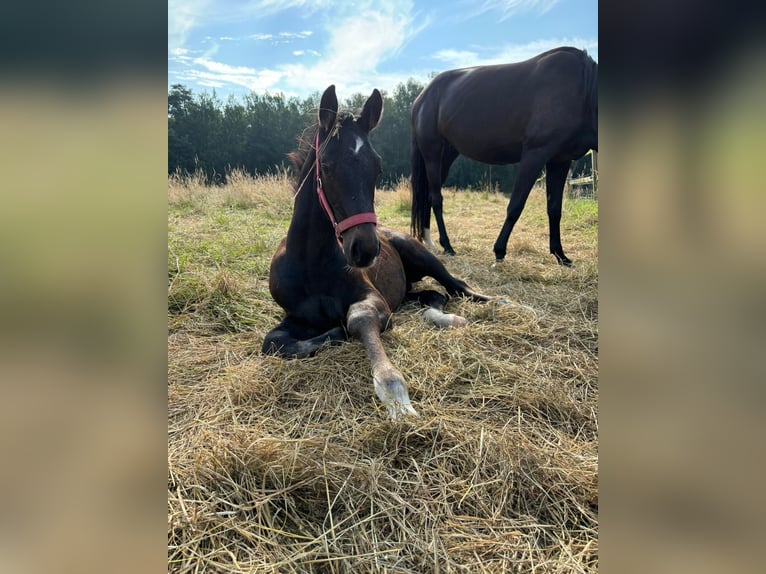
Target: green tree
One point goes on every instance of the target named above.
(393, 138)
(180, 149)
(257, 132)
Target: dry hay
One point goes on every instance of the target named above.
(292, 466)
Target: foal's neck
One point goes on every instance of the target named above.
(311, 234)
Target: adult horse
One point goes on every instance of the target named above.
(542, 112)
(336, 273)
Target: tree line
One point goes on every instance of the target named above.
(212, 137)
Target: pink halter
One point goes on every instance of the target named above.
(347, 223)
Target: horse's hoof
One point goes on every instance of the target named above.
(562, 259)
(450, 252)
(392, 392)
(398, 411)
(497, 263)
(442, 319)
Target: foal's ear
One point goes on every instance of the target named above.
(328, 109)
(372, 111)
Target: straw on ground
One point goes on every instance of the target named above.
(293, 466)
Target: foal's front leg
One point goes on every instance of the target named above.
(364, 321)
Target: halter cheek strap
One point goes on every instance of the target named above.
(347, 223)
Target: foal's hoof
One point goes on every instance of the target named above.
(398, 411)
(393, 393)
(442, 319)
(497, 263)
(450, 252)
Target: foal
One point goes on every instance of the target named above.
(336, 273)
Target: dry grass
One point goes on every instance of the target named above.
(292, 466)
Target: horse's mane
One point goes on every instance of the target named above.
(302, 158)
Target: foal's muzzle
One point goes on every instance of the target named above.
(361, 245)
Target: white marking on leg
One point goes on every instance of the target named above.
(427, 238)
(392, 392)
(444, 320)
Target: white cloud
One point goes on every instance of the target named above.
(512, 52)
(259, 81)
(456, 58)
(186, 15)
(218, 67)
(358, 42)
(508, 8)
(183, 16)
(304, 34)
(351, 48)
(267, 7)
(518, 52)
(281, 37)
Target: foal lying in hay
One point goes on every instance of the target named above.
(338, 274)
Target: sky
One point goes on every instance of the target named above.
(299, 47)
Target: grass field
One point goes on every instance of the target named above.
(293, 466)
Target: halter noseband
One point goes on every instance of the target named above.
(347, 223)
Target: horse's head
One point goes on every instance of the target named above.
(348, 169)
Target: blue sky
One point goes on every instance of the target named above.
(299, 47)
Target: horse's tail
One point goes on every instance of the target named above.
(421, 204)
(591, 94)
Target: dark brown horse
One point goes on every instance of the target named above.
(336, 273)
(542, 112)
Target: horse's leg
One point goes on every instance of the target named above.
(364, 321)
(291, 339)
(435, 314)
(556, 175)
(420, 262)
(531, 163)
(437, 168)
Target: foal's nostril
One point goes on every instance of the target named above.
(356, 252)
(361, 256)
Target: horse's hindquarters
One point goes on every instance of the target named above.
(387, 275)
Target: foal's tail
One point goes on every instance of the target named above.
(420, 218)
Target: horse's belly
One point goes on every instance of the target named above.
(490, 145)
(485, 152)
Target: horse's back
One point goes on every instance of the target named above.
(549, 68)
(489, 113)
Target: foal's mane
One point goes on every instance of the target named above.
(303, 157)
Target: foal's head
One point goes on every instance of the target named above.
(348, 169)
